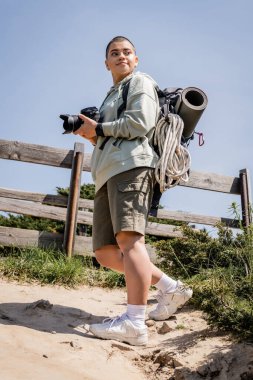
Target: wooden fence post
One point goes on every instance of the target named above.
(73, 199)
(246, 197)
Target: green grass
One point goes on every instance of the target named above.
(180, 326)
(53, 267)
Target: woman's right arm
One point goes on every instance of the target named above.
(140, 115)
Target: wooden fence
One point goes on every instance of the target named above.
(74, 210)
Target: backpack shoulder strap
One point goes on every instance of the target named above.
(125, 90)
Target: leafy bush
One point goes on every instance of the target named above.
(31, 223)
(227, 300)
(220, 271)
(87, 191)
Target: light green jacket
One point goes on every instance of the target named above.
(130, 136)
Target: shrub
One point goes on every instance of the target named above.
(220, 271)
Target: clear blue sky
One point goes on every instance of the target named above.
(52, 62)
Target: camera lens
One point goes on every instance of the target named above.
(71, 123)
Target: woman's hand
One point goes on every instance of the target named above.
(87, 129)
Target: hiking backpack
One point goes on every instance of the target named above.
(168, 141)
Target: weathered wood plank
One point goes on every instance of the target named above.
(73, 198)
(18, 237)
(49, 199)
(248, 184)
(40, 154)
(60, 200)
(246, 197)
(213, 182)
(44, 211)
(165, 230)
(84, 217)
(244, 200)
(195, 218)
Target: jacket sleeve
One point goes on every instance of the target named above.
(141, 111)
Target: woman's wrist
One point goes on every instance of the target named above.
(99, 130)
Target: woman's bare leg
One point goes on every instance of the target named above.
(110, 256)
(137, 266)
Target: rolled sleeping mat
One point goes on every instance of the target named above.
(190, 106)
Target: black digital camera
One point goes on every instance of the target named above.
(72, 123)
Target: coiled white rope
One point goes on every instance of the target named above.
(175, 160)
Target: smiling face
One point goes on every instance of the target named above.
(121, 60)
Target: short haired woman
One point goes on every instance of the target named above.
(122, 166)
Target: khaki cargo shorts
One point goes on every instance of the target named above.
(122, 204)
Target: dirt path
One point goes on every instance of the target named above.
(49, 340)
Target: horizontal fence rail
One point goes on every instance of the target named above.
(44, 155)
(83, 217)
(40, 154)
(58, 207)
(60, 200)
(18, 237)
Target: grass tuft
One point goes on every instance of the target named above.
(53, 267)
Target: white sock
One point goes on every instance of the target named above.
(166, 284)
(136, 314)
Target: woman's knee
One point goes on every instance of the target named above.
(128, 240)
(100, 256)
(106, 255)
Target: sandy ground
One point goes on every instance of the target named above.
(49, 340)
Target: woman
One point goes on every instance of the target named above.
(122, 167)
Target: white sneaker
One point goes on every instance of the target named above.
(121, 329)
(168, 303)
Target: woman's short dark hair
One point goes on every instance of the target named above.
(117, 39)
